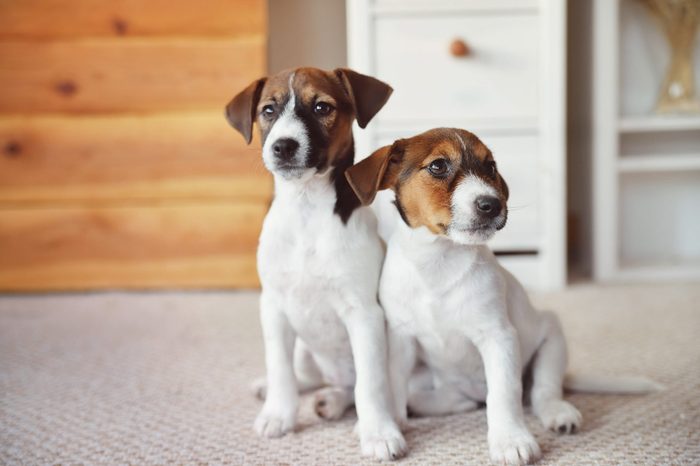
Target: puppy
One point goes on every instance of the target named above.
(452, 308)
(319, 257)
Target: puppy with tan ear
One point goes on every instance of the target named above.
(319, 256)
(450, 305)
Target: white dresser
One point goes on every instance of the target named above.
(497, 69)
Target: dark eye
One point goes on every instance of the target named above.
(322, 108)
(491, 167)
(268, 110)
(438, 167)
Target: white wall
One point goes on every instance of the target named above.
(306, 33)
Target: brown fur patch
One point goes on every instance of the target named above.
(310, 86)
(349, 95)
(425, 199)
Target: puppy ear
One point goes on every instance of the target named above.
(240, 112)
(374, 173)
(367, 93)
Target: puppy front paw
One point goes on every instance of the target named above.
(383, 442)
(515, 447)
(560, 416)
(274, 423)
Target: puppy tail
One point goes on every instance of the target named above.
(611, 384)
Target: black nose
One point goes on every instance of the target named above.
(488, 206)
(285, 148)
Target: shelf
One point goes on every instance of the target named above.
(658, 163)
(660, 272)
(648, 123)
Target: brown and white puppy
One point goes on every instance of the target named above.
(319, 256)
(452, 308)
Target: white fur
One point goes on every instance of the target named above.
(321, 321)
(460, 329)
(455, 309)
(464, 214)
(287, 125)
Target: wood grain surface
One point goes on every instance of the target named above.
(58, 19)
(47, 159)
(136, 75)
(207, 245)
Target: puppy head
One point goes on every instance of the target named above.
(445, 180)
(305, 116)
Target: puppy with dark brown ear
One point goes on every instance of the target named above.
(450, 305)
(320, 256)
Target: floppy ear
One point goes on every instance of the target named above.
(240, 112)
(367, 93)
(373, 173)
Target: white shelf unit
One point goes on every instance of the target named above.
(646, 170)
(658, 123)
(510, 91)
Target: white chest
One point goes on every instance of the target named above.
(315, 265)
(434, 297)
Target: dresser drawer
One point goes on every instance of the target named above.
(518, 163)
(496, 79)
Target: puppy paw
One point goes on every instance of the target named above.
(330, 403)
(273, 424)
(384, 443)
(517, 447)
(259, 388)
(560, 416)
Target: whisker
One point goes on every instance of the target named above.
(519, 207)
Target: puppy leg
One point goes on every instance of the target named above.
(330, 403)
(278, 415)
(446, 399)
(379, 435)
(305, 368)
(421, 379)
(548, 369)
(308, 374)
(510, 442)
(402, 359)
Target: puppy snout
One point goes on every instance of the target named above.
(488, 206)
(285, 148)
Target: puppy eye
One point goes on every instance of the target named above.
(322, 108)
(491, 167)
(438, 168)
(268, 110)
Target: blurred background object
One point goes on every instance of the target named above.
(117, 167)
(679, 20)
(646, 167)
(496, 69)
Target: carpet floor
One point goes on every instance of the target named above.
(163, 379)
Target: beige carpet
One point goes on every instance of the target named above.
(107, 379)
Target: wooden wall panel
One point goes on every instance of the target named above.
(185, 245)
(116, 157)
(52, 19)
(103, 76)
(117, 166)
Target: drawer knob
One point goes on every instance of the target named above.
(459, 48)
